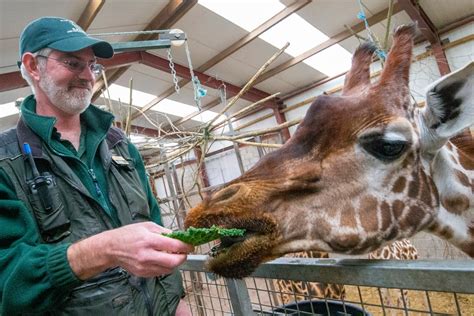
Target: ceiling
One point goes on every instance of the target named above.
(209, 35)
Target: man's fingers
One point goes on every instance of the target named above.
(166, 260)
(173, 245)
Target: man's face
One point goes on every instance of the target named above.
(68, 85)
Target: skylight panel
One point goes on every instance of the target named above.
(180, 109)
(248, 14)
(139, 98)
(294, 29)
(8, 109)
(331, 61)
(167, 106)
(301, 35)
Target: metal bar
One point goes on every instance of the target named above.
(239, 297)
(180, 212)
(447, 276)
(140, 45)
(171, 187)
(236, 148)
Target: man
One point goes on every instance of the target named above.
(79, 226)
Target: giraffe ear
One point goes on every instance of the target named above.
(450, 104)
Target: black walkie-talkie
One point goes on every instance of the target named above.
(52, 220)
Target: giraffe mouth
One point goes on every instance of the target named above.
(238, 257)
(225, 243)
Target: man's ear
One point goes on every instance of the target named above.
(30, 63)
(449, 107)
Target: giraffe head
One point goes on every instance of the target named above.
(362, 169)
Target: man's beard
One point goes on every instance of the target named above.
(69, 100)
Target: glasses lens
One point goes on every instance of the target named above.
(96, 69)
(75, 65)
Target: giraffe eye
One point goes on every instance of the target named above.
(383, 149)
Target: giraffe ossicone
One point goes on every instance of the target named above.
(363, 169)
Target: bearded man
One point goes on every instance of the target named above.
(80, 228)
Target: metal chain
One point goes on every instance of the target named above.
(173, 72)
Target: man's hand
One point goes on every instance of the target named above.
(138, 248)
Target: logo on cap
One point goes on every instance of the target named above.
(75, 28)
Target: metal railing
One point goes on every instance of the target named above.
(430, 280)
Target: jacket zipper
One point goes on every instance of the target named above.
(96, 182)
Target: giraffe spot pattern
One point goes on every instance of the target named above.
(456, 204)
(386, 215)
(463, 179)
(367, 209)
(348, 216)
(397, 208)
(399, 185)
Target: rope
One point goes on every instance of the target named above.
(361, 16)
(199, 91)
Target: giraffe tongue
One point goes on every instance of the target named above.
(225, 243)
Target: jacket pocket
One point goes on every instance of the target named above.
(108, 294)
(48, 208)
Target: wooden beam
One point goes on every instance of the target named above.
(90, 12)
(280, 118)
(11, 81)
(120, 60)
(173, 11)
(167, 17)
(429, 31)
(417, 14)
(376, 18)
(458, 23)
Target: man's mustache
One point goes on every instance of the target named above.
(81, 83)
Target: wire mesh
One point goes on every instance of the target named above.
(208, 296)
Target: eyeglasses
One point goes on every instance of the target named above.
(78, 66)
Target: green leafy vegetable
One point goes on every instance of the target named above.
(199, 236)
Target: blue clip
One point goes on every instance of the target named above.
(381, 53)
(361, 15)
(202, 92)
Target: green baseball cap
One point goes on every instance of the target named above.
(60, 34)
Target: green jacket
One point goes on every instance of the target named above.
(101, 186)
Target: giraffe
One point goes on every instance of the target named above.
(288, 291)
(399, 250)
(363, 169)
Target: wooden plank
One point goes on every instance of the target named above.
(90, 12)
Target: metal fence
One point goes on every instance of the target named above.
(372, 287)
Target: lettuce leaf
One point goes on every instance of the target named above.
(198, 236)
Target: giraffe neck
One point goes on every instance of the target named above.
(452, 171)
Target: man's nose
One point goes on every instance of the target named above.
(87, 74)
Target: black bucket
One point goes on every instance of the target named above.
(319, 307)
